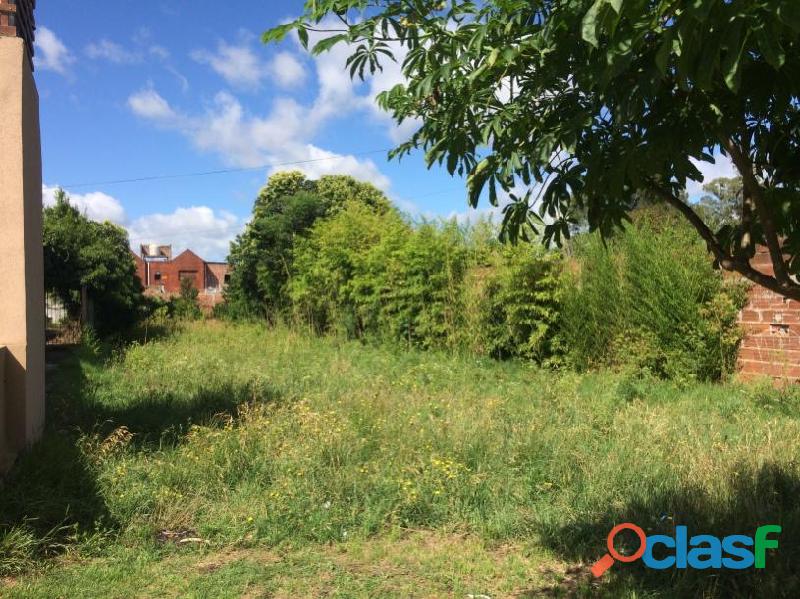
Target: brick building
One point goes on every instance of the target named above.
(161, 273)
(771, 323)
(16, 20)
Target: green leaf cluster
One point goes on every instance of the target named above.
(261, 257)
(588, 102)
(649, 300)
(79, 253)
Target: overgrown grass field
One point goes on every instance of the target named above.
(230, 460)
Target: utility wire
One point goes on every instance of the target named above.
(184, 232)
(216, 172)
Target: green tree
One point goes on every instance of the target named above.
(590, 101)
(721, 205)
(81, 253)
(261, 257)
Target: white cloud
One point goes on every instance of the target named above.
(245, 140)
(237, 64)
(284, 134)
(243, 67)
(205, 231)
(149, 104)
(339, 93)
(51, 53)
(722, 167)
(107, 50)
(96, 205)
(199, 228)
(287, 71)
(159, 52)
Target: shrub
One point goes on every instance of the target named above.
(369, 274)
(186, 306)
(518, 303)
(421, 287)
(261, 257)
(651, 301)
(332, 287)
(81, 253)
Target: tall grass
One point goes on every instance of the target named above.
(649, 299)
(246, 436)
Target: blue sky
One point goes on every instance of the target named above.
(188, 87)
(127, 93)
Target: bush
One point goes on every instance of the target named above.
(83, 254)
(518, 303)
(367, 274)
(332, 287)
(421, 287)
(651, 301)
(186, 306)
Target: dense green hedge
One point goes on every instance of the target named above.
(646, 300)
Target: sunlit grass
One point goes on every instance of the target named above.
(258, 439)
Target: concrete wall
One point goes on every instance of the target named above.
(21, 265)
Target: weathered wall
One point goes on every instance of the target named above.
(215, 274)
(21, 264)
(771, 346)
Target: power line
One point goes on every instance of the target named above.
(184, 232)
(216, 172)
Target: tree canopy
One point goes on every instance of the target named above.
(81, 253)
(261, 257)
(588, 102)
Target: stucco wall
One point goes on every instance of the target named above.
(21, 264)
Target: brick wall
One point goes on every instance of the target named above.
(771, 323)
(164, 277)
(17, 20)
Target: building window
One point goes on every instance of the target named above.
(158, 276)
(227, 279)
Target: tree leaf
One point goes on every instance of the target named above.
(770, 47)
(665, 51)
(789, 13)
(590, 22)
(302, 33)
(732, 62)
(329, 42)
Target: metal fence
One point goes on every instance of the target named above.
(61, 328)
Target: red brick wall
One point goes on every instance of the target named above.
(186, 264)
(205, 275)
(17, 20)
(140, 272)
(215, 274)
(771, 323)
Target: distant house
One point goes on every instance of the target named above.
(161, 274)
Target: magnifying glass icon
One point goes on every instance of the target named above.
(605, 562)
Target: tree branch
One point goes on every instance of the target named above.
(754, 190)
(726, 261)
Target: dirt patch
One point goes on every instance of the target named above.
(569, 581)
(214, 561)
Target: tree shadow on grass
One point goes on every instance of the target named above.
(52, 492)
(767, 495)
